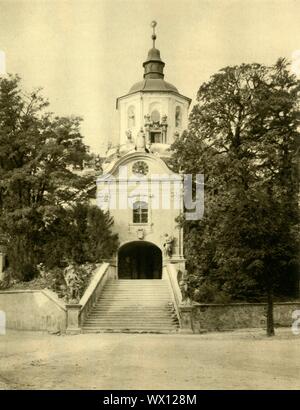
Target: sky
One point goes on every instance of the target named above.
(86, 53)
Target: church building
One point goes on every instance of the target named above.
(141, 192)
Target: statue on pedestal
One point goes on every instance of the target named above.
(98, 164)
(183, 285)
(129, 141)
(140, 141)
(168, 245)
(73, 283)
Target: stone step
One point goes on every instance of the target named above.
(138, 281)
(120, 325)
(133, 301)
(131, 317)
(128, 286)
(129, 330)
(132, 312)
(137, 284)
(138, 291)
(137, 288)
(140, 301)
(137, 306)
(132, 295)
(131, 323)
(137, 294)
(134, 322)
(134, 286)
(132, 298)
(147, 305)
(131, 306)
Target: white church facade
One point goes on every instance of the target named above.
(141, 192)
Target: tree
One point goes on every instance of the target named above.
(243, 135)
(38, 155)
(81, 233)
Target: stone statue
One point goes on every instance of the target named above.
(118, 155)
(164, 119)
(140, 233)
(98, 164)
(73, 283)
(183, 285)
(147, 119)
(129, 144)
(168, 245)
(129, 135)
(140, 141)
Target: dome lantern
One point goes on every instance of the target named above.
(153, 66)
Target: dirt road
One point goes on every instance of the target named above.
(229, 360)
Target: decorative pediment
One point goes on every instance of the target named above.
(147, 164)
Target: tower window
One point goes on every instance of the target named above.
(155, 116)
(178, 117)
(140, 212)
(131, 117)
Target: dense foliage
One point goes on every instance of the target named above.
(45, 216)
(243, 136)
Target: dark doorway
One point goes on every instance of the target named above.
(155, 137)
(139, 260)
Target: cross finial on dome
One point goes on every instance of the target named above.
(153, 25)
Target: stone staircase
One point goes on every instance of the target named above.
(142, 305)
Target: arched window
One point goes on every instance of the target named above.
(131, 117)
(178, 117)
(140, 212)
(155, 116)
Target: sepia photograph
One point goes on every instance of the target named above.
(149, 198)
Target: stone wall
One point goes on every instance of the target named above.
(214, 317)
(33, 310)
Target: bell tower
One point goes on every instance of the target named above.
(152, 106)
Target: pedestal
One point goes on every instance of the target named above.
(73, 325)
(186, 321)
(179, 261)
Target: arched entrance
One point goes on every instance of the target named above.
(139, 260)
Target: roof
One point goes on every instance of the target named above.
(153, 84)
(153, 55)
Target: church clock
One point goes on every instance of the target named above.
(140, 168)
